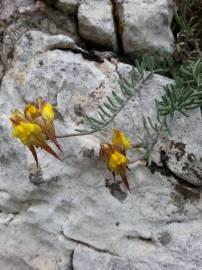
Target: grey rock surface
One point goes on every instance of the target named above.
(9, 8)
(96, 23)
(68, 6)
(137, 26)
(67, 214)
(145, 25)
(13, 263)
(182, 151)
(100, 261)
(19, 17)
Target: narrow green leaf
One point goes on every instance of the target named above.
(151, 124)
(111, 102)
(118, 98)
(126, 82)
(101, 116)
(94, 120)
(103, 111)
(124, 89)
(109, 107)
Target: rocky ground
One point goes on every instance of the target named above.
(70, 215)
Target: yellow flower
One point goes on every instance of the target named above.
(17, 117)
(119, 139)
(47, 112)
(32, 128)
(28, 133)
(31, 111)
(116, 159)
(115, 155)
(42, 114)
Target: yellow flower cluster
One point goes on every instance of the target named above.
(35, 126)
(115, 155)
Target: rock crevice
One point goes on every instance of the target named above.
(90, 246)
(118, 26)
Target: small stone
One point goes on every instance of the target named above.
(35, 175)
(78, 109)
(145, 25)
(96, 23)
(165, 238)
(88, 152)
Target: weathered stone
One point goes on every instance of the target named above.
(68, 6)
(145, 25)
(13, 263)
(156, 260)
(9, 8)
(183, 149)
(61, 207)
(96, 23)
(36, 16)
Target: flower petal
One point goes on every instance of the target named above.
(122, 172)
(48, 149)
(35, 127)
(119, 139)
(17, 117)
(31, 111)
(47, 112)
(116, 160)
(105, 151)
(33, 150)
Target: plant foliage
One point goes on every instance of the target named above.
(185, 94)
(187, 29)
(117, 101)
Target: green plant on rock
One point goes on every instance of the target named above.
(180, 97)
(184, 95)
(187, 29)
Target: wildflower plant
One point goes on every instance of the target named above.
(114, 154)
(35, 126)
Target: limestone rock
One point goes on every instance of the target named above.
(32, 15)
(182, 151)
(66, 214)
(13, 263)
(68, 6)
(155, 261)
(145, 25)
(77, 80)
(96, 23)
(9, 8)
